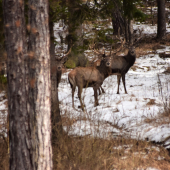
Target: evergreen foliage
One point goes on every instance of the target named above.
(3, 79)
(75, 13)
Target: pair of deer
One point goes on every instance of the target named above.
(84, 77)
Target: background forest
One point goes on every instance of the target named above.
(77, 29)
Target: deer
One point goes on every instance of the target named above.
(84, 77)
(58, 67)
(120, 65)
(95, 64)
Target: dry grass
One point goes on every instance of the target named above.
(89, 153)
(167, 70)
(163, 118)
(109, 153)
(151, 102)
(4, 156)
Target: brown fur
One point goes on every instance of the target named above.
(88, 77)
(121, 64)
(60, 62)
(95, 64)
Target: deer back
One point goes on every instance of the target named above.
(88, 76)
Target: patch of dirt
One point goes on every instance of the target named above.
(151, 102)
(164, 55)
(167, 71)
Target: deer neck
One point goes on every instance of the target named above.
(131, 59)
(103, 69)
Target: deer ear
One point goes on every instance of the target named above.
(103, 56)
(57, 58)
(64, 59)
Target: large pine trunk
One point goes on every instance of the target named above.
(40, 84)
(19, 132)
(161, 29)
(29, 85)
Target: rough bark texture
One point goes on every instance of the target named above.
(28, 85)
(128, 21)
(161, 30)
(130, 30)
(117, 20)
(19, 132)
(75, 27)
(40, 84)
(55, 78)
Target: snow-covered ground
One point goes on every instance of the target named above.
(124, 114)
(121, 114)
(3, 113)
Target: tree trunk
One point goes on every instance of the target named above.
(2, 39)
(55, 110)
(126, 29)
(75, 27)
(19, 132)
(117, 20)
(39, 106)
(128, 20)
(130, 31)
(161, 29)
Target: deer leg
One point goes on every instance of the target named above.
(102, 89)
(73, 90)
(123, 79)
(99, 91)
(118, 83)
(79, 96)
(95, 96)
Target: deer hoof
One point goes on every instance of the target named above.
(96, 105)
(81, 107)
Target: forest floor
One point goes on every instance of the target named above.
(123, 122)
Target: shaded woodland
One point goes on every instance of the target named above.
(33, 56)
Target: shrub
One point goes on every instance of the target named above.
(3, 79)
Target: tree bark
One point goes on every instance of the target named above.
(55, 76)
(161, 29)
(128, 20)
(40, 85)
(28, 85)
(75, 27)
(130, 30)
(19, 132)
(117, 20)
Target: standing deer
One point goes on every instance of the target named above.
(88, 77)
(95, 64)
(121, 64)
(58, 67)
